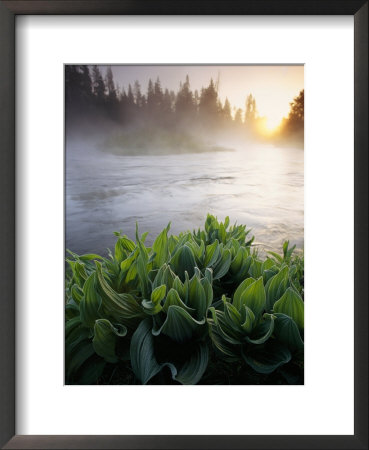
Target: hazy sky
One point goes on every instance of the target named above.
(273, 87)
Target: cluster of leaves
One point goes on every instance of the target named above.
(163, 312)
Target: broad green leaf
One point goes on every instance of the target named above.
(241, 262)
(159, 276)
(81, 354)
(104, 341)
(201, 251)
(226, 222)
(209, 275)
(214, 318)
(174, 299)
(123, 307)
(127, 263)
(119, 252)
(276, 287)
(183, 261)
(194, 368)
(287, 332)
(208, 291)
(154, 306)
(286, 251)
(254, 297)
(168, 277)
(268, 264)
(86, 257)
(267, 357)
(234, 245)
(71, 325)
(75, 333)
(158, 294)
(226, 329)
(285, 247)
(71, 309)
(79, 272)
(237, 260)
(222, 265)
(152, 276)
(179, 325)
(172, 243)
(197, 297)
(132, 273)
(77, 293)
(263, 331)
(90, 303)
(123, 247)
(276, 256)
(143, 273)
(143, 361)
(127, 244)
(211, 254)
(152, 256)
(179, 287)
(72, 346)
(232, 316)
(141, 246)
(198, 273)
(292, 305)
(225, 347)
(208, 222)
(144, 236)
(160, 247)
(241, 288)
(256, 269)
(222, 233)
(151, 308)
(198, 251)
(145, 365)
(244, 270)
(112, 269)
(248, 319)
(182, 240)
(269, 273)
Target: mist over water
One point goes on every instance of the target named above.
(255, 184)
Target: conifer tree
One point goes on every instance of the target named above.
(98, 85)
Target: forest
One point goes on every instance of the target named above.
(93, 97)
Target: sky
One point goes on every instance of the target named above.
(273, 87)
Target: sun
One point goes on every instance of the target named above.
(271, 123)
(268, 125)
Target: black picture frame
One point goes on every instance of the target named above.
(8, 11)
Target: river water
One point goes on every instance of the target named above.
(258, 185)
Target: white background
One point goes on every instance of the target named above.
(325, 404)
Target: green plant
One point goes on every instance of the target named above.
(157, 314)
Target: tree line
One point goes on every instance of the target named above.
(89, 92)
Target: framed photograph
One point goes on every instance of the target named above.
(184, 225)
(173, 306)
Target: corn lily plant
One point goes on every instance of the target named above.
(162, 311)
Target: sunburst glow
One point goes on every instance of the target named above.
(271, 123)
